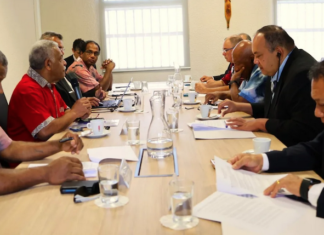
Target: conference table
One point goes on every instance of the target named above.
(43, 210)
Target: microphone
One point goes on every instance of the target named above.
(75, 85)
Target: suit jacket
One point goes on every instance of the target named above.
(219, 77)
(67, 94)
(291, 111)
(69, 60)
(301, 157)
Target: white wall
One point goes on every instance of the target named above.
(207, 30)
(18, 33)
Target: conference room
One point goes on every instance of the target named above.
(105, 128)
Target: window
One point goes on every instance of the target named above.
(146, 34)
(304, 21)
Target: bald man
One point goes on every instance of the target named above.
(252, 87)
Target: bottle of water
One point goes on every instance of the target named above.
(159, 138)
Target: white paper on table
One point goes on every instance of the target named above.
(90, 169)
(302, 225)
(241, 181)
(256, 215)
(115, 152)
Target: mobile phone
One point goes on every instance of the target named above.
(70, 187)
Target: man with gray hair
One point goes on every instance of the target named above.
(220, 82)
(3, 69)
(36, 109)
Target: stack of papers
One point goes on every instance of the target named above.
(258, 214)
(116, 152)
(217, 129)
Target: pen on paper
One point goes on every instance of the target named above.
(225, 124)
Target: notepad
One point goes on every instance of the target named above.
(115, 152)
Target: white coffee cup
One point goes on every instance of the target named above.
(128, 103)
(192, 96)
(137, 84)
(187, 78)
(205, 110)
(261, 145)
(97, 126)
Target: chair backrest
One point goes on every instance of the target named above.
(3, 111)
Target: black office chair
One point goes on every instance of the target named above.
(3, 120)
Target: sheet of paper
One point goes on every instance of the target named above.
(256, 215)
(115, 152)
(108, 122)
(90, 169)
(241, 181)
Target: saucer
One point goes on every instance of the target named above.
(213, 117)
(133, 109)
(191, 103)
(93, 136)
(192, 89)
(251, 151)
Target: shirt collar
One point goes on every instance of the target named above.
(74, 57)
(83, 64)
(38, 78)
(278, 73)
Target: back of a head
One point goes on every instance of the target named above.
(243, 51)
(245, 36)
(276, 36)
(3, 59)
(49, 35)
(41, 50)
(77, 44)
(85, 44)
(234, 39)
(316, 71)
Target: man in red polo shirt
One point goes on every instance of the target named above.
(36, 109)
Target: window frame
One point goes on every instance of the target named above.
(145, 3)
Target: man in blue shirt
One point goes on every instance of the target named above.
(252, 87)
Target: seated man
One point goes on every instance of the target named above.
(221, 83)
(76, 48)
(301, 157)
(64, 86)
(36, 109)
(287, 110)
(3, 100)
(245, 36)
(253, 85)
(89, 78)
(57, 172)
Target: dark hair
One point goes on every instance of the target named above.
(276, 36)
(3, 59)
(316, 71)
(245, 35)
(48, 35)
(234, 40)
(85, 44)
(77, 44)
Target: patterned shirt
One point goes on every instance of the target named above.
(253, 89)
(88, 79)
(33, 105)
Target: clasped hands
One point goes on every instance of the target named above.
(254, 163)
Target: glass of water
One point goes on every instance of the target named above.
(108, 183)
(181, 193)
(177, 99)
(133, 131)
(173, 119)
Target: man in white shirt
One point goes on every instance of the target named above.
(301, 157)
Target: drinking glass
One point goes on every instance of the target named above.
(133, 131)
(108, 183)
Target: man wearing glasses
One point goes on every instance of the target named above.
(89, 78)
(220, 83)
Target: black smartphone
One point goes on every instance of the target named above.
(70, 187)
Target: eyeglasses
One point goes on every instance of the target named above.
(96, 53)
(228, 49)
(62, 49)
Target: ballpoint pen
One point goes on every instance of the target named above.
(84, 133)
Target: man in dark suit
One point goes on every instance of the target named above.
(301, 157)
(76, 48)
(287, 111)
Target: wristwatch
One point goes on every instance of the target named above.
(304, 187)
(237, 81)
